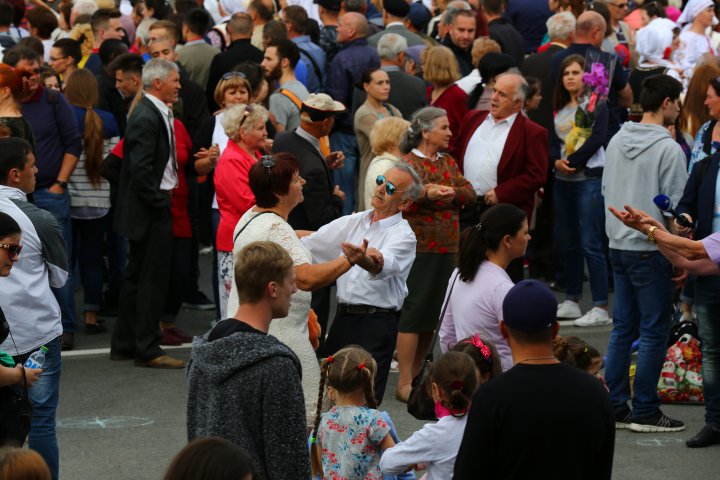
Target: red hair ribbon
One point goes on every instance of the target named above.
(330, 359)
(484, 349)
(457, 385)
(361, 366)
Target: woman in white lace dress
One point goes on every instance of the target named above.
(277, 186)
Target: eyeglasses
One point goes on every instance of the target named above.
(230, 75)
(267, 162)
(248, 110)
(390, 187)
(13, 250)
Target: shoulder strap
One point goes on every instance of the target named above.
(293, 98)
(429, 355)
(314, 63)
(707, 138)
(245, 226)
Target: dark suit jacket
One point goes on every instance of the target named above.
(407, 93)
(237, 52)
(523, 164)
(140, 201)
(110, 100)
(320, 205)
(698, 197)
(510, 40)
(538, 65)
(194, 108)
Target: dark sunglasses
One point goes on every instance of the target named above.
(230, 75)
(248, 110)
(13, 250)
(390, 187)
(267, 162)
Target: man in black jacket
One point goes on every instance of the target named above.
(323, 201)
(502, 31)
(460, 36)
(147, 178)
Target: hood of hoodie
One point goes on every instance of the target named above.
(12, 193)
(222, 358)
(635, 138)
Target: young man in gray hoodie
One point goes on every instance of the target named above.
(243, 384)
(642, 161)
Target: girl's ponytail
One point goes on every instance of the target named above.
(315, 453)
(367, 384)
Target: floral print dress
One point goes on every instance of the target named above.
(349, 437)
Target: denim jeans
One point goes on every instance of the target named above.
(579, 233)
(44, 394)
(59, 207)
(707, 307)
(87, 251)
(642, 308)
(347, 176)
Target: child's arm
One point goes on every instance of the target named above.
(416, 449)
(386, 443)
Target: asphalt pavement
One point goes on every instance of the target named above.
(118, 421)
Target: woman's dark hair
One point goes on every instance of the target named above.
(574, 351)
(313, 31)
(655, 9)
(456, 377)
(496, 222)
(561, 96)
(69, 48)
(534, 86)
(161, 8)
(267, 183)
(211, 458)
(468, 346)
(253, 74)
(366, 77)
(8, 225)
(491, 65)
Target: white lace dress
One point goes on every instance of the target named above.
(291, 330)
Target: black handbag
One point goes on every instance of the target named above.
(15, 407)
(420, 404)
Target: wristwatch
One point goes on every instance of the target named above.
(62, 184)
(650, 236)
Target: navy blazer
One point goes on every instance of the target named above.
(698, 198)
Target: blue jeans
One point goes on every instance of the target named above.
(579, 233)
(59, 207)
(88, 236)
(642, 308)
(44, 394)
(707, 307)
(346, 177)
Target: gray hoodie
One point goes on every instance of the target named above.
(246, 388)
(642, 161)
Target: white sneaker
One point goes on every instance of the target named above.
(594, 318)
(568, 309)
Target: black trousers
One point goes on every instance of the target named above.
(143, 294)
(376, 333)
(320, 304)
(181, 268)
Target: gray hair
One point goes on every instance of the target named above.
(453, 9)
(422, 121)
(391, 45)
(84, 7)
(561, 25)
(522, 89)
(416, 189)
(233, 122)
(155, 69)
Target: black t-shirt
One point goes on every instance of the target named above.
(539, 421)
(230, 326)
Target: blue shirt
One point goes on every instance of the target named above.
(309, 53)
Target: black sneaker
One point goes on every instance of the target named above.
(622, 418)
(659, 422)
(198, 301)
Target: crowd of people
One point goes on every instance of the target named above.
(418, 160)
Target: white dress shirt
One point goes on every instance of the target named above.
(483, 153)
(392, 236)
(170, 175)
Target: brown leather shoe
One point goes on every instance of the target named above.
(163, 361)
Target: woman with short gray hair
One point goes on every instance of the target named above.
(244, 125)
(434, 217)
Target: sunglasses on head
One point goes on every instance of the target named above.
(230, 75)
(248, 110)
(13, 250)
(267, 162)
(390, 187)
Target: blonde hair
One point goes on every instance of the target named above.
(387, 133)
(235, 81)
(482, 46)
(82, 32)
(440, 67)
(242, 118)
(694, 113)
(258, 264)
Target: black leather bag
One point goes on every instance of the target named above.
(420, 404)
(15, 404)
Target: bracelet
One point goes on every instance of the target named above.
(650, 236)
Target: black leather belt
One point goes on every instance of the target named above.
(347, 309)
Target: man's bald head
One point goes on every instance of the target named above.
(351, 26)
(590, 28)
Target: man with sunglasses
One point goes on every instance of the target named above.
(380, 247)
(31, 309)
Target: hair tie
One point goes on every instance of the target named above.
(361, 366)
(313, 440)
(329, 359)
(457, 385)
(484, 349)
(479, 226)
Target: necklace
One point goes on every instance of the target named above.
(537, 358)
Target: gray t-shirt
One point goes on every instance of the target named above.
(564, 123)
(284, 109)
